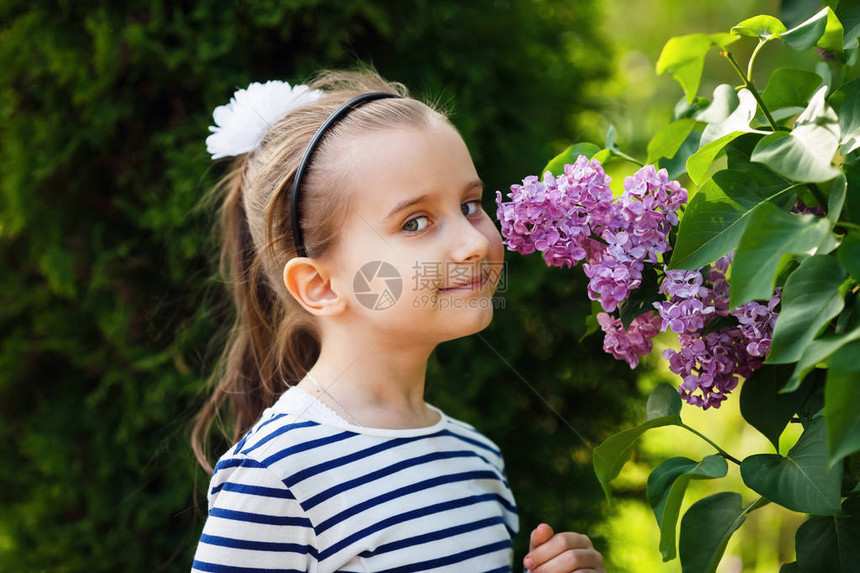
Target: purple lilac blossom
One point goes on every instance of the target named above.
(712, 364)
(631, 343)
(573, 218)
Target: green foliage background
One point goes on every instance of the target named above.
(110, 315)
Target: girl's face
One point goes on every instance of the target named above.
(415, 218)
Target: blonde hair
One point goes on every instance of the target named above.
(273, 341)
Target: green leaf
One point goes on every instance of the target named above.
(769, 235)
(764, 407)
(663, 401)
(763, 27)
(790, 88)
(807, 33)
(849, 254)
(833, 33)
(742, 105)
(716, 217)
(801, 480)
(810, 299)
(610, 456)
(668, 140)
(846, 104)
(842, 402)
(677, 165)
(828, 545)
(789, 568)
(570, 155)
(706, 529)
(806, 153)
(684, 58)
(823, 347)
(836, 198)
(700, 162)
(850, 17)
(666, 487)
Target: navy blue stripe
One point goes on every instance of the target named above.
(309, 445)
(504, 569)
(259, 517)
(434, 536)
(300, 476)
(215, 568)
(450, 559)
(262, 425)
(474, 442)
(400, 492)
(280, 431)
(235, 463)
(408, 516)
(386, 471)
(282, 493)
(257, 545)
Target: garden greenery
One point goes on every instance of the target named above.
(757, 275)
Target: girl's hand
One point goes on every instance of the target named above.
(561, 553)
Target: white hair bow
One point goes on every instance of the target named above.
(240, 125)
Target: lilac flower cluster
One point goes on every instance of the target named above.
(711, 363)
(631, 343)
(574, 217)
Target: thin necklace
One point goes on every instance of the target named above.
(333, 399)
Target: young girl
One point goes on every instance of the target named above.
(347, 199)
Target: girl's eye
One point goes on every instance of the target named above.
(476, 203)
(414, 228)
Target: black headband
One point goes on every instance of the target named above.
(298, 238)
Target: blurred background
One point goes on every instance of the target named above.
(112, 314)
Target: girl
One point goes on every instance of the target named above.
(347, 199)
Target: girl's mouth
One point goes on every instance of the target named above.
(474, 285)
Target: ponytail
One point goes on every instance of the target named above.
(253, 369)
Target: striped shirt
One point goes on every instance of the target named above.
(305, 490)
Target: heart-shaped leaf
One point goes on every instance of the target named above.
(810, 299)
(790, 88)
(828, 545)
(769, 235)
(663, 401)
(663, 409)
(684, 58)
(666, 487)
(800, 481)
(763, 27)
(706, 529)
(764, 407)
(804, 35)
(716, 217)
(842, 402)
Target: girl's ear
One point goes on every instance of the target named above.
(310, 284)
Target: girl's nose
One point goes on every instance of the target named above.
(469, 243)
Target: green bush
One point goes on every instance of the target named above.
(110, 316)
